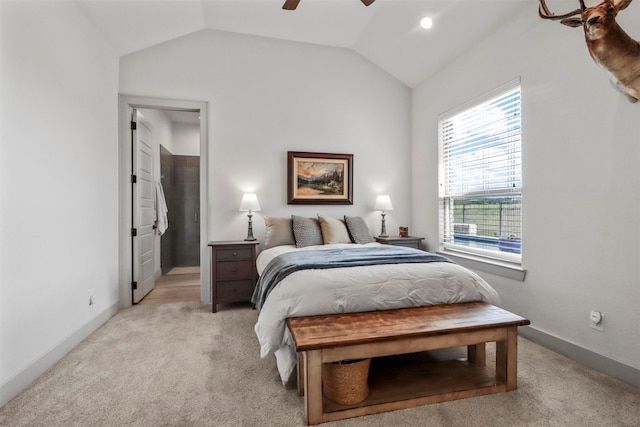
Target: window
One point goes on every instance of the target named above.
(481, 177)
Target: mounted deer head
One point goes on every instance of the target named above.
(609, 46)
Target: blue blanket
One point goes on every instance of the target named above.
(285, 264)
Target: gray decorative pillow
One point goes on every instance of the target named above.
(358, 229)
(306, 231)
(279, 231)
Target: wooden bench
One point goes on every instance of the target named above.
(330, 338)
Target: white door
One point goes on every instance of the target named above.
(143, 263)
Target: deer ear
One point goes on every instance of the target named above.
(572, 22)
(621, 4)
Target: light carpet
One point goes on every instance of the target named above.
(177, 364)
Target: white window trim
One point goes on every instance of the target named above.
(509, 267)
(510, 270)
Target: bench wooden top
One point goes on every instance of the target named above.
(335, 330)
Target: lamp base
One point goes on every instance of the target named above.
(383, 231)
(250, 237)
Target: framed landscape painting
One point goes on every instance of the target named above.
(319, 178)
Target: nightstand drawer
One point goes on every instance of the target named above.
(237, 290)
(234, 270)
(234, 254)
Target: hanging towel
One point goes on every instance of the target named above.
(160, 206)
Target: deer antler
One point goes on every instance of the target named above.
(545, 13)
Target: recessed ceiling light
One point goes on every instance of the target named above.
(426, 22)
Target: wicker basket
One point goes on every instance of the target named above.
(346, 382)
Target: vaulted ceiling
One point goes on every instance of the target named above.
(387, 33)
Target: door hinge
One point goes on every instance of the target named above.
(134, 285)
(134, 232)
(134, 125)
(134, 179)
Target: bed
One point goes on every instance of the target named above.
(318, 268)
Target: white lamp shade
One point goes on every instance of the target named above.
(249, 203)
(383, 203)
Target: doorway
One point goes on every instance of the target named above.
(189, 228)
(176, 145)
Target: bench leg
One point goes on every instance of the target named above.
(507, 359)
(300, 370)
(313, 386)
(477, 354)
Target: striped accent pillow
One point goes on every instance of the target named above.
(358, 229)
(306, 231)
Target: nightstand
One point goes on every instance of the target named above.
(233, 271)
(410, 242)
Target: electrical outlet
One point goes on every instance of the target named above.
(597, 320)
(92, 297)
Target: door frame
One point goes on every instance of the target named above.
(125, 104)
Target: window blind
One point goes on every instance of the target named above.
(481, 175)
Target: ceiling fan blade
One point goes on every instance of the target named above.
(367, 2)
(290, 4)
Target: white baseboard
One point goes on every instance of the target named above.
(613, 368)
(14, 385)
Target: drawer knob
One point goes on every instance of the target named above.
(234, 269)
(235, 254)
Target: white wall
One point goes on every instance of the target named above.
(186, 139)
(59, 185)
(581, 201)
(267, 97)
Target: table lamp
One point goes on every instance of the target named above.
(249, 204)
(383, 203)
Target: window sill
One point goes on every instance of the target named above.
(499, 268)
